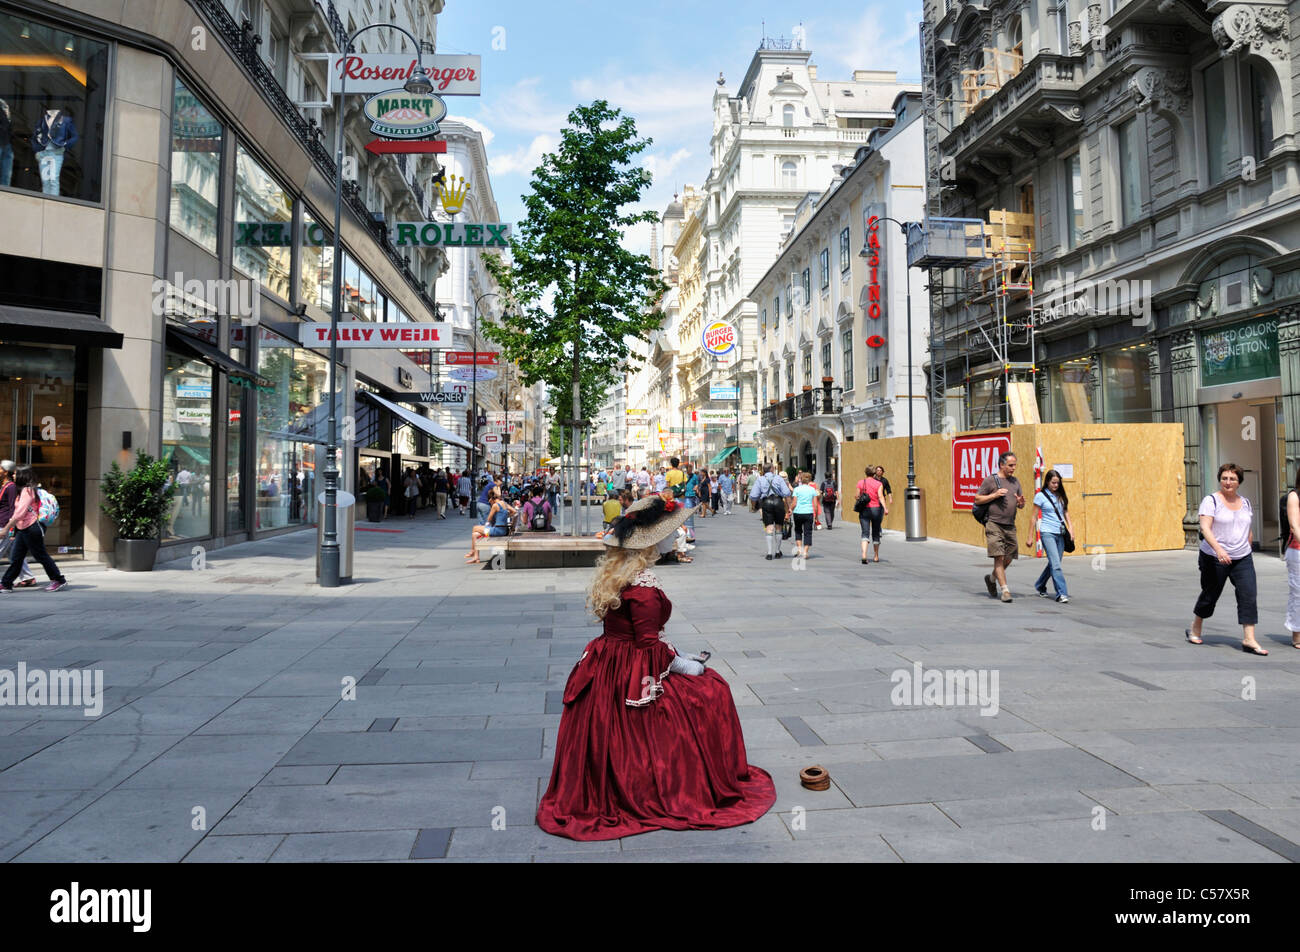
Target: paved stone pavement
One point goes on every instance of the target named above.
(224, 711)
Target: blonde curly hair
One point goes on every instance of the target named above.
(615, 571)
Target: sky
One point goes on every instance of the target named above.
(659, 62)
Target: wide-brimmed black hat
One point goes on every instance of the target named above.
(646, 522)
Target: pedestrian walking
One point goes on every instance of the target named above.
(649, 737)
(1291, 535)
(8, 499)
(829, 499)
(382, 481)
(463, 489)
(643, 481)
(1057, 533)
(1001, 492)
(691, 493)
(871, 509)
(715, 492)
(805, 500)
(411, 490)
(726, 487)
(29, 535)
(888, 495)
(1226, 536)
(440, 493)
(769, 496)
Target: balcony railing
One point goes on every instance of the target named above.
(824, 400)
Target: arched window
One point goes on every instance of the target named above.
(1017, 38)
(1261, 110)
(789, 175)
(787, 115)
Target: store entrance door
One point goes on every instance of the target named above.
(1247, 435)
(37, 406)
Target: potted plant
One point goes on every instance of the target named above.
(807, 387)
(789, 396)
(374, 504)
(137, 502)
(828, 380)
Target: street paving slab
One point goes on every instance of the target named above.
(251, 716)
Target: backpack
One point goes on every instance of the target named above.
(538, 521)
(49, 511)
(981, 510)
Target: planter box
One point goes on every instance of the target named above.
(135, 555)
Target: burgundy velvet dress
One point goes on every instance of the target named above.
(638, 750)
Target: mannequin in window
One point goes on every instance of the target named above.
(6, 145)
(55, 132)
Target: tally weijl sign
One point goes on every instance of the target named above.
(430, 234)
(365, 334)
(378, 72)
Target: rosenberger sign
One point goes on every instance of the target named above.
(379, 72)
(719, 338)
(365, 334)
(974, 459)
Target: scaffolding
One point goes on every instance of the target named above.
(977, 85)
(938, 383)
(995, 305)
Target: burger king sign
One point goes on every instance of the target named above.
(719, 338)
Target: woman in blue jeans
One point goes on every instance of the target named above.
(1054, 527)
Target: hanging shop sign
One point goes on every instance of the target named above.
(1242, 351)
(716, 417)
(442, 398)
(974, 459)
(498, 417)
(724, 393)
(875, 340)
(376, 72)
(430, 234)
(366, 334)
(452, 190)
(719, 338)
(471, 373)
(874, 296)
(397, 114)
(485, 357)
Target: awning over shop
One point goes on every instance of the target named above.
(56, 327)
(177, 339)
(199, 456)
(748, 455)
(417, 421)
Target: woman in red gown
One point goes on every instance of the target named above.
(642, 748)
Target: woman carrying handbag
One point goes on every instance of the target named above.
(1057, 533)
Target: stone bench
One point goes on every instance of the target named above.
(536, 550)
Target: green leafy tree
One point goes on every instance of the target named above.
(575, 295)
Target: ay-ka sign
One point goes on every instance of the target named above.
(974, 459)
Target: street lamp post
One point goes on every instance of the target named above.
(418, 85)
(473, 438)
(912, 495)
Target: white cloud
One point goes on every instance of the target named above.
(523, 159)
(661, 167)
(524, 108)
(487, 134)
(876, 41)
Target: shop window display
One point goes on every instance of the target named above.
(52, 101)
(291, 421)
(196, 169)
(187, 445)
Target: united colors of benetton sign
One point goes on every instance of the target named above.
(365, 334)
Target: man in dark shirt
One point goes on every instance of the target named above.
(8, 499)
(1002, 492)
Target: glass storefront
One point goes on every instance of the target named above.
(263, 225)
(196, 169)
(316, 263)
(37, 390)
(235, 403)
(291, 415)
(53, 86)
(1126, 385)
(1071, 392)
(187, 445)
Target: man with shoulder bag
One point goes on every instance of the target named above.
(996, 502)
(771, 495)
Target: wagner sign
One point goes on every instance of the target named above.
(377, 72)
(365, 334)
(441, 397)
(429, 234)
(974, 458)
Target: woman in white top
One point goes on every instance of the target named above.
(1292, 536)
(1225, 554)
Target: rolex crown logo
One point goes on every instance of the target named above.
(453, 192)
